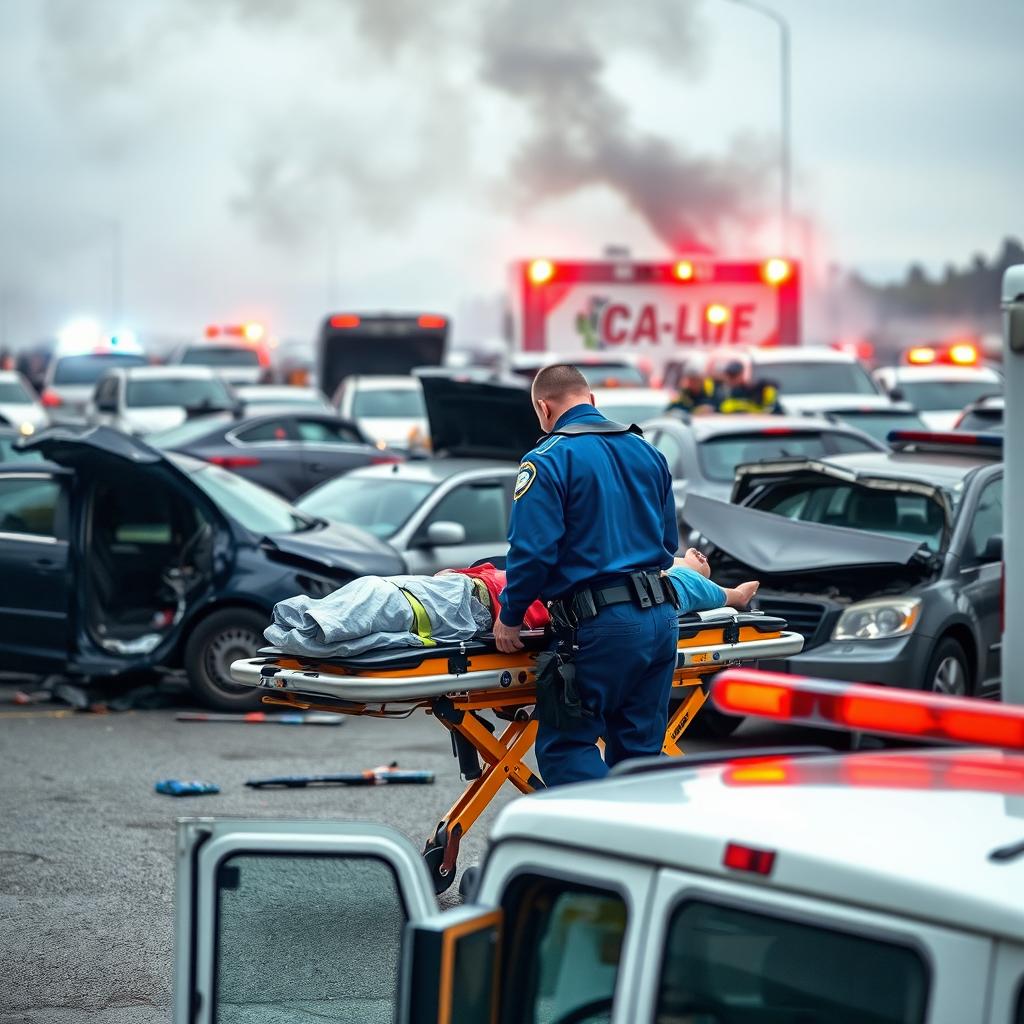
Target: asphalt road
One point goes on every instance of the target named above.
(86, 845)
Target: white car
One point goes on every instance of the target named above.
(781, 886)
(256, 396)
(71, 378)
(632, 405)
(389, 410)
(237, 361)
(940, 393)
(147, 399)
(810, 379)
(19, 405)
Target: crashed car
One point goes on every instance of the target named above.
(888, 563)
(116, 558)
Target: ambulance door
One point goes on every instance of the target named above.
(297, 921)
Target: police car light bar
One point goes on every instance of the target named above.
(864, 707)
(944, 439)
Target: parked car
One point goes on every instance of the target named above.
(389, 410)
(986, 414)
(257, 397)
(147, 399)
(451, 509)
(287, 452)
(888, 563)
(874, 420)
(116, 557)
(938, 392)
(71, 379)
(19, 404)
(703, 452)
(238, 361)
(602, 369)
(809, 378)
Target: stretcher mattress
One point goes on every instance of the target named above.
(708, 642)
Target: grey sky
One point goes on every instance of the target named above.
(236, 141)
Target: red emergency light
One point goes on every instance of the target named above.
(963, 353)
(683, 270)
(431, 322)
(922, 355)
(540, 271)
(345, 321)
(957, 438)
(959, 353)
(864, 707)
(747, 858)
(776, 271)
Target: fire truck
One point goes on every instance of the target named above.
(657, 311)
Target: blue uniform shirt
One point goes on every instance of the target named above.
(586, 507)
(695, 592)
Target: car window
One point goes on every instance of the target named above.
(817, 378)
(846, 444)
(878, 424)
(8, 453)
(723, 964)
(611, 375)
(981, 420)
(28, 505)
(221, 355)
(188, 432)
(106, 390)
(565, 943)
(88, 369)
(481, 507)
(381, 506)
(269, 430)
(719, 456)
(326, 432)
(910, 516)
(633, 412)
(672, 449)
(256, 508)
(14, 391)
(181, 391)
(988, 519)
(934, 395)
(390, 403)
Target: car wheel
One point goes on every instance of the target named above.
(225, 636)
(947, 670)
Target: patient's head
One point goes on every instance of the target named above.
(694, 559)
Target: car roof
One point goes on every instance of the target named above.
(433, 471)
(374, 383)
(945, 469)
(720, 425)
(871, 829)
(167, 372)
(797, 354)
(272, 391)
(12, 375)
(912, 373)
(628, 395)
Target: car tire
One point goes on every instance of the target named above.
(223, 637)
(947, 671)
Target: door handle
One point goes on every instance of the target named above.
(46, 564)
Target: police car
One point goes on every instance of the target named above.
(770, 887)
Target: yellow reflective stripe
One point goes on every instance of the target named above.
(420, 620)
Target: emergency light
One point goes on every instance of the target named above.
(683, 270)
(938, 438)
(922, 355)
(345, 320)
(776, 270)
(865, 707)
(540, 271)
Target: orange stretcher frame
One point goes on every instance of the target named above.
(703, 649)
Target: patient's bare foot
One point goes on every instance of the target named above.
(741, 596)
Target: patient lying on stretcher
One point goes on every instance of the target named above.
(379, 613)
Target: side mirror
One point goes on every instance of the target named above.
(450, 967)
(106, 406)
(993, 550)
(896, 394)
(445, 534)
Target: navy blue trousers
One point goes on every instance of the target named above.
(624, 669)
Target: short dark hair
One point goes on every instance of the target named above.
(559, 381)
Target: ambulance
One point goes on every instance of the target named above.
(659, 312)
(792, 885)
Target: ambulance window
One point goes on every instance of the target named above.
(563, 949)
(723, 964)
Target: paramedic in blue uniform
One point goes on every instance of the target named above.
(593, 522)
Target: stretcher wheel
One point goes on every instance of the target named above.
(433, 856)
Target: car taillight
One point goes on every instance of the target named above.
(345, 321)
(430, 322)
(234, 461)
(50, 399)
(384, 460)
(747, 858)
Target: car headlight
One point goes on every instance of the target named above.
(878, 619)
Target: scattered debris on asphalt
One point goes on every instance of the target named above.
(178, 787)
(386, 774)
(262, 718)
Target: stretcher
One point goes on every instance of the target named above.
(456, 683)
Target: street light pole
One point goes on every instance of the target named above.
(785, 117)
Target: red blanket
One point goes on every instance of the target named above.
(494, 580)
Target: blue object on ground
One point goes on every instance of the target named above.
(176, 787)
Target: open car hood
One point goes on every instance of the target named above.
(66, 446)
(478, 419)
(774, 545)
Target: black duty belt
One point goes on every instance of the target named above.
(644, 588)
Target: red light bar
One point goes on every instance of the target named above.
(778, 431)
(431, 322)
(234, 461)
(212, 331)
(922, 355)
(869, 708)
(959, 438)
(747, 858)
(345, 320)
